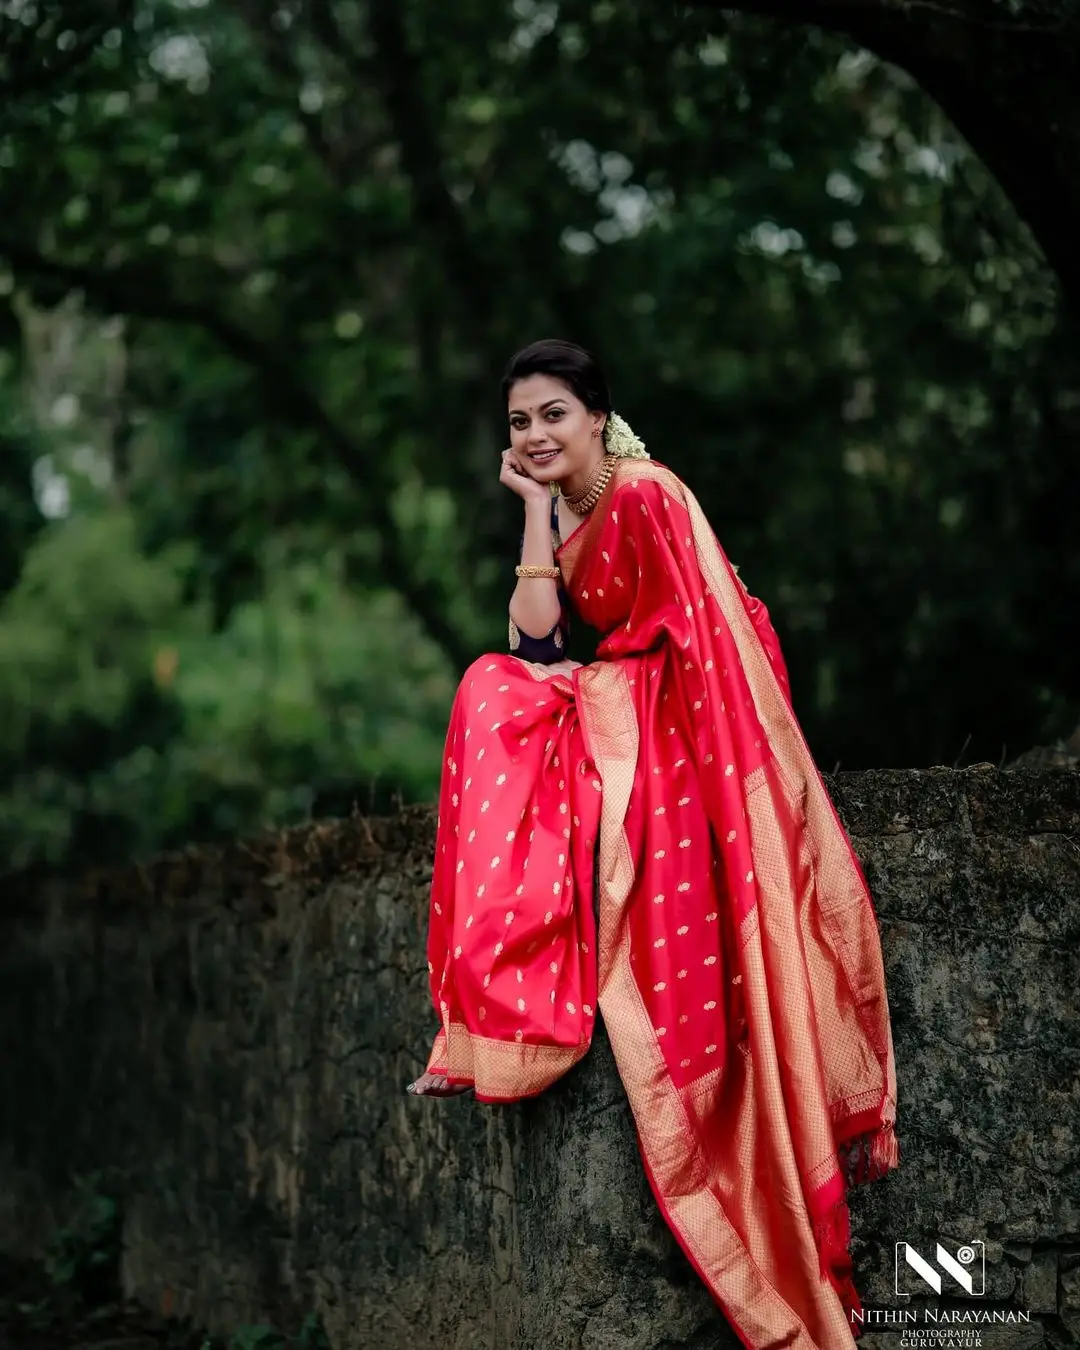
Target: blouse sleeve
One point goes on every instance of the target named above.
(552, 646)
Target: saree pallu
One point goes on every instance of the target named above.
(736, 961)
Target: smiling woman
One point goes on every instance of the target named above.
(646, 837)
(556, 439)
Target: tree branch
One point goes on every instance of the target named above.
(397, 74)
(126, 290)
(1006, 82)
(282, 62)
(840, 14)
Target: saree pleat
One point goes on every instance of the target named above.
(511, 939)
(736, 961)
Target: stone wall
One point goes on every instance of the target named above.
(225, 1036)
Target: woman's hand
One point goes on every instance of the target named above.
(514, 476)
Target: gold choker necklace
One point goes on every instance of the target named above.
(583, 502)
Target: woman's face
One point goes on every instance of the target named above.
(551, 430)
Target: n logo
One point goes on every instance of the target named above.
(967, 1267)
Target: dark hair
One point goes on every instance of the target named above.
(563, 361)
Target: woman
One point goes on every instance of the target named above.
(733, 951)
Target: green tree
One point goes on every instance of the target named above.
(278, 256)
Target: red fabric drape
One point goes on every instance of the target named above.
(512, 937)
(736, 963)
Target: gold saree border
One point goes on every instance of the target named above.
(843, 899)
(755, 1309)
(542, 673)
(500, 1070)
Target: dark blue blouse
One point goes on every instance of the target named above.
(552, 646)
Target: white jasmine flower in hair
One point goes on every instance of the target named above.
(619, 439)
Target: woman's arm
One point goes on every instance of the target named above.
(535, 548)
(534, 605)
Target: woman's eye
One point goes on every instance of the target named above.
(555, 412)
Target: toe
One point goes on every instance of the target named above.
(437, 1085)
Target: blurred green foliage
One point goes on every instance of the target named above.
(84, 1254)
(260, 268)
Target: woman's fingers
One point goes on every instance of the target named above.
(514, 476)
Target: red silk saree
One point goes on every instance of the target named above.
(735, 958)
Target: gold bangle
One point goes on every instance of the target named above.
(530, 571)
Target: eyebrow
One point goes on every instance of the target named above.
(542, 406)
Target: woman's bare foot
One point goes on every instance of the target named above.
(436, 1085)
